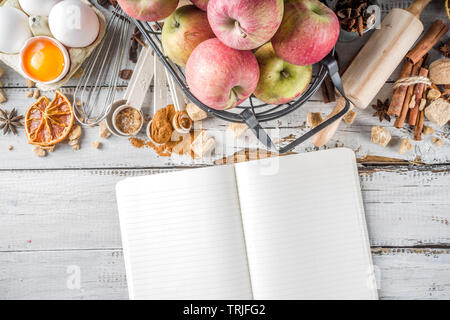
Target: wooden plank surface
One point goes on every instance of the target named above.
(401, 274)
(58, 214)
(76, 209)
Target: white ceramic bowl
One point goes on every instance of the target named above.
(60, 46)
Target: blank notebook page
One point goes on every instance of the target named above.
(304, 227)
(182, 236)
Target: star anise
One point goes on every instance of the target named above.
(381, 109)
(444, 48)
(9, 121)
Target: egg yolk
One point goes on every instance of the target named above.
(43, 60)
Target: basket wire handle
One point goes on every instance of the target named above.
(329, 62)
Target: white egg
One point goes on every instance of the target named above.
(74, 23)
(38, 7)
(14, 30)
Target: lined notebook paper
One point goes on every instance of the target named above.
(286, 228)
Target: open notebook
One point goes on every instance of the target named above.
(291, 227)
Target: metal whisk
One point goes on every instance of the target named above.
(96, 88)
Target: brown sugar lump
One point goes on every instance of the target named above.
(438, 112)
(380, 136)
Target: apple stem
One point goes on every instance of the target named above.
(285, 74)
(238, 26)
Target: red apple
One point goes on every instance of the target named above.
(183, 31)
(308, 32)
(148, 10)
(245, 24)
(202, 4)
(221, 77)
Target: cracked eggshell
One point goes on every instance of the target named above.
(14, 30)
(74, 24)
(38, 8)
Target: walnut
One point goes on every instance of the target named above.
(37, 94)
(76, 147)
(30, 84)
(438, 112)
(440, 71)
(428, 130)
(380, 136)
(29, 93)
(40, 152)
(350, 117)
(313, 119)
(195, 113)
(405, 146)
(238, 129)
(75, 133)
(73, 142)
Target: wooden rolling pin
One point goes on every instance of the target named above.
(377, 60)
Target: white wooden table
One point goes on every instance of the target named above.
(58, 214)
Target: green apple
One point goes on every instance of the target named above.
(183, 31)
(280, 81)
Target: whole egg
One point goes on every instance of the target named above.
(74, 23)
(38, 7)
(14, 30)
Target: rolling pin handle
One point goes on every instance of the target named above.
(417, 7)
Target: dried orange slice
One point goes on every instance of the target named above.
(48, 123)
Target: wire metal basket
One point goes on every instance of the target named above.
(252, 112)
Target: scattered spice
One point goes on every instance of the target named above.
(382, 110)
(353, 15)
(125, 74)
(9, 121)
(428, 130)
(129, 120)
(135, 43)
(104, 131)
(96, 144)
(438, 142)
(444, 48)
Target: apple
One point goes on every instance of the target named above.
(308, 32)
(202, 4)
(183, 31)
(280, 81)
(245, 24)
(148, 10)
(221, 77)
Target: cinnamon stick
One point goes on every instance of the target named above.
(418, 91)
(395, 107)
(430, 38)
(419, 126)
(328, 90)
(409, 92)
